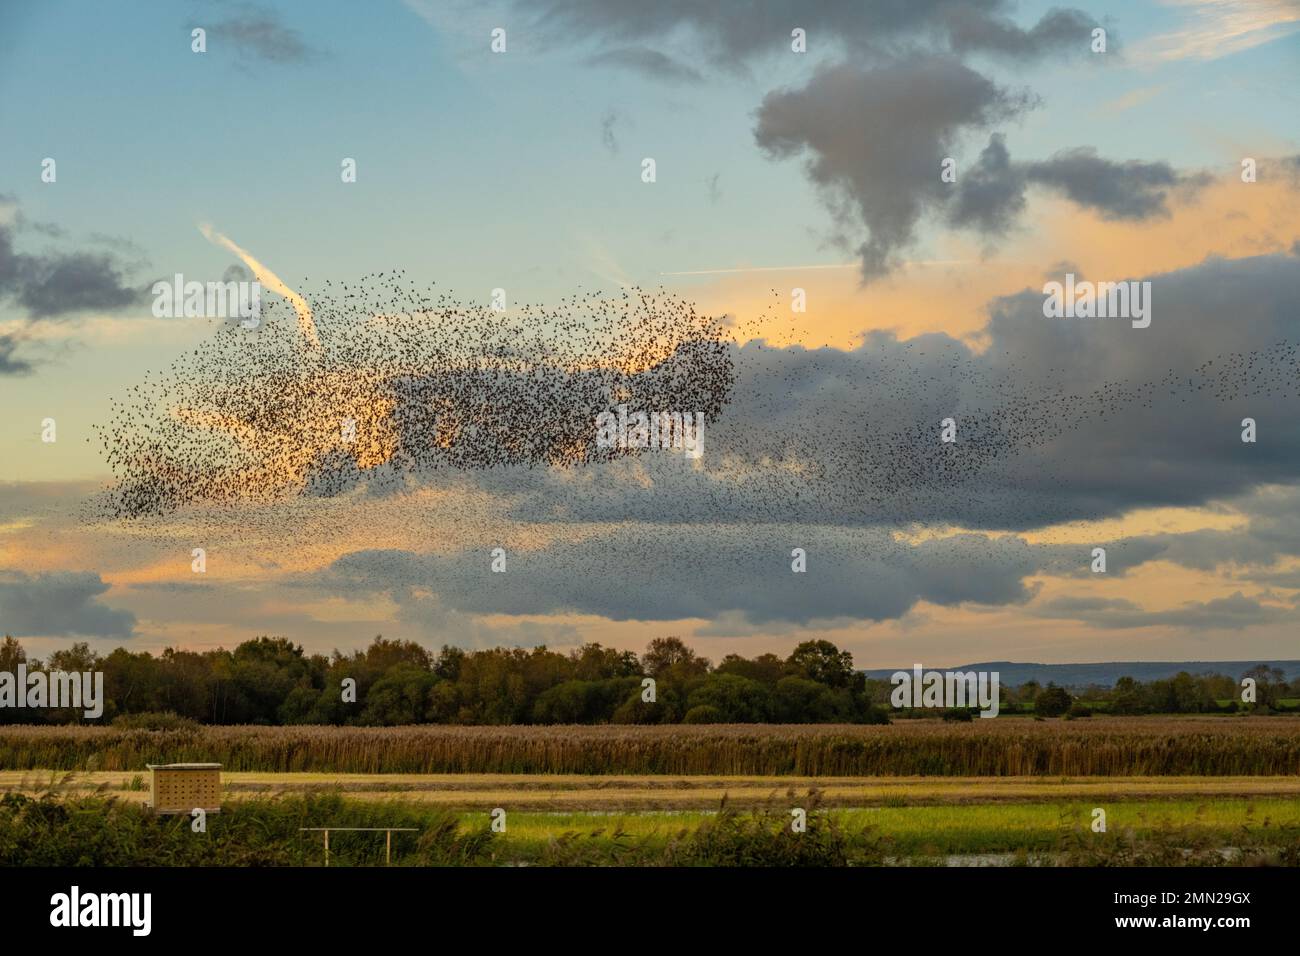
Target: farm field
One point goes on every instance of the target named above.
(1176, 791)
(645, 793)
(69, 827)
(945, 831)
(1010, 747)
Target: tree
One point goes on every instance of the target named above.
(401, 696)
(823, 662)
(1028, 692)
(1270, 682)
(76, 659)
(738, 699)
(1127, 697)
(593, 662)
(766, 668)
(1053, 701)
(11, 655)
(670, 656)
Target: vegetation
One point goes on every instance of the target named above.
(271, 681)
(1184, 693)
(99, 831)
(1104, 746)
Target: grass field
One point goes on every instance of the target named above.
(1100, 746)
(1041, 823)
(946, 831)
(1175, 791)
(644, 793)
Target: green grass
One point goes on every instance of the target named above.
(100, 831)
(943, 830)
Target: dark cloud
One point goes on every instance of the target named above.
(1228, 613)
(1058, 420)
(875, 139)
(851, 577)
(647, 62)
(732, 33)
(991, 195)
(59, 604)
(75, 282)
(259, 35)
(837, 451)
(10, 363)
(1118, 190)
(54, 285)
(972, 29)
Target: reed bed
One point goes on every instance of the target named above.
(1138, 746)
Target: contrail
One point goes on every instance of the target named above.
(273, 282)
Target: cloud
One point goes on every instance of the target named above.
(54, 285)
(875, 139)
(259, 35)
(10, 363)
(1227, 613)
(991, 195)
(647, 62)
(732, 33)
(1118, 190)
(971, 29)
(1058, 420)
(1214, 28)
(848, 579)
(59, 604)
(1131, 99)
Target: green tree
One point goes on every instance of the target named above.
(669, 656)
(1053, 701)
(737, 699)
(823, 662)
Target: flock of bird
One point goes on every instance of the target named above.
(408, 414)
(393, 382)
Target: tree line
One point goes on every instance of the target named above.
(270, 680)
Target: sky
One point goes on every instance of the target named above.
(774, 170)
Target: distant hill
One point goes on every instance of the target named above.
(1105, 675)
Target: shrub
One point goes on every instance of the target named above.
(1053, 701)
(704, 714)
